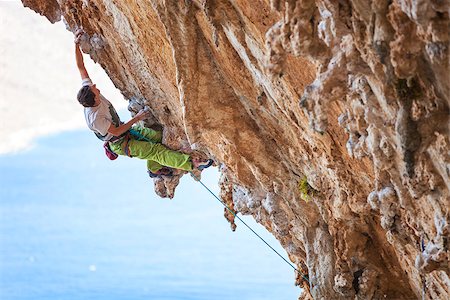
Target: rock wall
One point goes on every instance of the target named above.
(329, 119)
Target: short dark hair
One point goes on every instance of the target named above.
(86, 97)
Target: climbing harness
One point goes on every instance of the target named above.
(132, 133)
(305, 277)
(125, 146)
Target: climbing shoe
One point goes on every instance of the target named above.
(204, 164)
(161, 172)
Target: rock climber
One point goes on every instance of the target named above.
(124, 138)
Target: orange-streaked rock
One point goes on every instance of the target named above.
(354, 95)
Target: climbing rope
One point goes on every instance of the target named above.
(231, 211)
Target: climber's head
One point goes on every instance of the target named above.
(88, 96)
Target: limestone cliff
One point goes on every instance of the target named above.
(329, 119)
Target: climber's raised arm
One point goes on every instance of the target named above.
(79, 56)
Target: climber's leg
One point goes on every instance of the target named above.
(153, 166)
(152, 135)
(158, 155)
(157, 152)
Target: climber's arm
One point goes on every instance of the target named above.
(80, 63)
(79, 56)
(116, 131)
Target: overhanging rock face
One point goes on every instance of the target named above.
(330, 120)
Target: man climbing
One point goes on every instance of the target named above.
(124, 138)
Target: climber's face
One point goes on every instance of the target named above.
(95, 90)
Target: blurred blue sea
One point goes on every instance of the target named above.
(74, 225)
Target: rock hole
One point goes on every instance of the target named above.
(261, 98)
(356, 276)
(166, 110)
